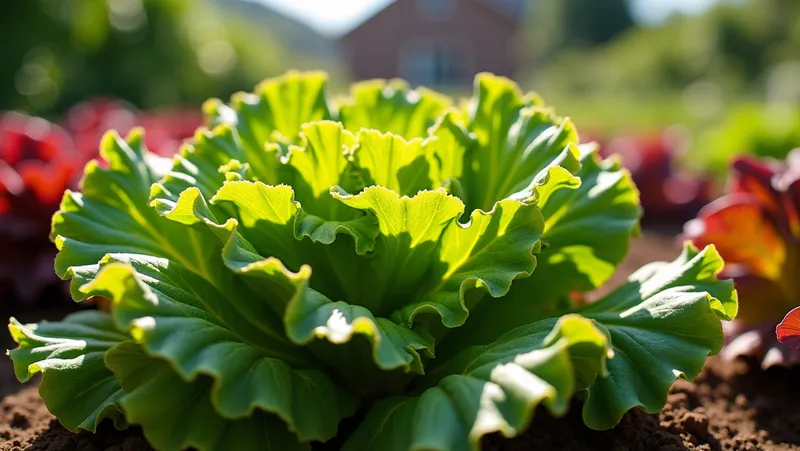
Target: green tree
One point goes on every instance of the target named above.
(149, 52)
(556, 25)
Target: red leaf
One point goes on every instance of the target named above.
(788, 330)
(743, 233)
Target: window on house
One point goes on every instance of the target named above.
(436, 10)
(436, 65)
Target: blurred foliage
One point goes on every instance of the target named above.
(149, 52)
(734, 70)
(735, 46)
(749, 129)
(558, 25)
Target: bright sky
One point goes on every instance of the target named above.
(334, 17)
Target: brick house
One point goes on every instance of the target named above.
(436, 42)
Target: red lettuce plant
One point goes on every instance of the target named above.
(756, 228)
(37, 163)
(39, 160)
(166, 130)
(667, 193)
(88, 121)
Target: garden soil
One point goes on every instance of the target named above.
(730, 406)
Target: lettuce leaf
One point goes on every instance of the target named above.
(76, 386)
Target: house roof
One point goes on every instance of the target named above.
(295, 35)
(509, 9)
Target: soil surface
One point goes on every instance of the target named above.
(54, 307)
(730, 406)
(25, 424)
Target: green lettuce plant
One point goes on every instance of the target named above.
(389, 270)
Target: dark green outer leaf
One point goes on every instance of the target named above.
(663, 324)
(161, 307)
(176, 415)
(491, 389)
(69, 353)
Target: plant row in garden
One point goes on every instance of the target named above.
(392, 255)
